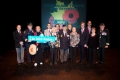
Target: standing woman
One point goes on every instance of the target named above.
(40, 46)
(92, 45)
(54, 47)
(74, 40)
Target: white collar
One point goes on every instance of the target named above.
(53, 33)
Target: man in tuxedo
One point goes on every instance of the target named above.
(28, 32)
(84, 36)
(64, 44)
(19, 44)
(47, 32)
(103, 42)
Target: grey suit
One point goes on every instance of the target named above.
(47, 32)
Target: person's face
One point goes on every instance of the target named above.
(54, 30)
(30, 27)
(38, 28)
(73, 29)
(69, 26)
(18, 27)
(93, 30)
(57, 27)
(89, 23)
(64, 28)
(102, 27)
(48, 26)
(83, 25)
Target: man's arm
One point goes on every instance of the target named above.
(15, 39)
(107, 38)
(25, 36)
(87, 36)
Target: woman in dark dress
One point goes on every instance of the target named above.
(40, 46)
(92, 45)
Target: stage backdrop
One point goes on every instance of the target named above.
(63, 12)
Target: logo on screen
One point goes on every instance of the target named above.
(65, 14)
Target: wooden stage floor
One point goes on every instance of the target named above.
(9, 70)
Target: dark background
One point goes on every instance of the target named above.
(22, 12)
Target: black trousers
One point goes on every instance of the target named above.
(39, 55)
(81, 52)
(73, 53)
(29, 56)
(53, 54)
(91, 52)
(47, 51)
(101, 53)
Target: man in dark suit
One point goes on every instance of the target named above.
(89, 27)
(64, 44)
(84, 36)
(28, 32)
(19, 44)
(103, 42)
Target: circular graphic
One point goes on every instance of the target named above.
(71, 16)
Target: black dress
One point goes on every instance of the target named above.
(92, 46)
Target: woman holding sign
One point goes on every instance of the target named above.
(53, 47)
(39, 53)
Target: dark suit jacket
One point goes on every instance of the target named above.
(64, 40)
(17, 38)
(83, 36)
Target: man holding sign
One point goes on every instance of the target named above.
(28, 32)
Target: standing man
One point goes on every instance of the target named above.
(47, 32)
(19, 44)
(64, 44)
(28, 32)
(69, 31)
(84, 36)
(103, 42)
(89, 27)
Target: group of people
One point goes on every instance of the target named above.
(86, 39)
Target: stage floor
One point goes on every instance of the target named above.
(9, 70)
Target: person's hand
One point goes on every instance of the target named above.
(21, 43)
(85, 45)
(29, 41)
(97, 47)
(106, 46)
(25, 40)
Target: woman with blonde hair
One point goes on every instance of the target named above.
(54, 47)
(74, 41)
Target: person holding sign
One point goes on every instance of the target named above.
(54, 47)
(40, 46)
(28, 32)
(64, 44)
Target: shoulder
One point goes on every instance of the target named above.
(14, 32)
